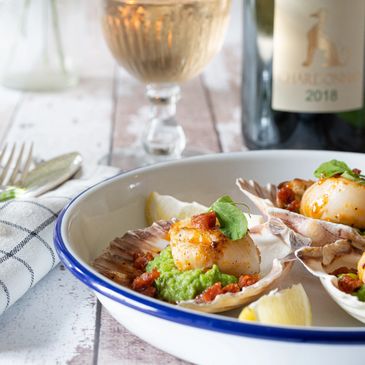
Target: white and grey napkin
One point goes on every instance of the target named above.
(27, 252)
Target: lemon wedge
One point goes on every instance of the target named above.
(361, 268)
(285, 307)
(165, 207)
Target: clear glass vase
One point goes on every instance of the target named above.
(35, 57)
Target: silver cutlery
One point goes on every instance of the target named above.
(44, 177)
(15, 164)
(51, 173)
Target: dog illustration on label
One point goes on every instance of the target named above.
(319, 41)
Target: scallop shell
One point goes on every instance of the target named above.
(275, 241)
(332, 245)
(116, 262)
(322, 261)
(320, 232)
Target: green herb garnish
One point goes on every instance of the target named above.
(335, 167)
(232, 221)
(361, 294)
(11, 193)
(350, 274)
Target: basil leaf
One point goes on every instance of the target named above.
(335, 167)
(232, 221)
(225, 199)
(331, 168)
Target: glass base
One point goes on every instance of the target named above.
(134, 157)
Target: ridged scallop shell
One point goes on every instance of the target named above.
(333, 245)
(117, 263)
(320, 232)
(322, 261)
(275, 241)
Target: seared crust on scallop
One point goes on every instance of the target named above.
(196, 248)
(273, 240)
(320, 232)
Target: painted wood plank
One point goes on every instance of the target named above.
(10, 102)
(195, 116)
(197, 111)
(53, 323)
(132, 113)
(74, 120)
(77, 119)
(222, 79)
(118, 346)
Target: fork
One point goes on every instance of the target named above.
(14, 166)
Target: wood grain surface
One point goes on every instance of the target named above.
(59, 321)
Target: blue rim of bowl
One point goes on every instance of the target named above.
(191, 318)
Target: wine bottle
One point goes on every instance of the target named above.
(303, 74)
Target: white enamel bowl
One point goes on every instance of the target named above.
(347, 302)
(110, 208)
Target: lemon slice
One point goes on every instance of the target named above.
(165, 207)
(285, 307)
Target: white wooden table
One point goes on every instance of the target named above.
(60, 321)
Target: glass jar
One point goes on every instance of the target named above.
(33, 53)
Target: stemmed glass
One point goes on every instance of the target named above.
(163, 43)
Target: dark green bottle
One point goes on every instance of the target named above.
(303, 77)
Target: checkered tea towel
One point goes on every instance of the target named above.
(27, 252)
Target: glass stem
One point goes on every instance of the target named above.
(163, 136)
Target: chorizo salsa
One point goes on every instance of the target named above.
(350, 283)
(163, 280)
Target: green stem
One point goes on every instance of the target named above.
(56, 28)
(10, 192)
(45, 33)
(23, 18)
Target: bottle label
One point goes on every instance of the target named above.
(318, 55)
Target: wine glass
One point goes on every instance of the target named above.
(163, 43)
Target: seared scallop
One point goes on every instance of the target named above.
(199, 247)
(336, 200)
